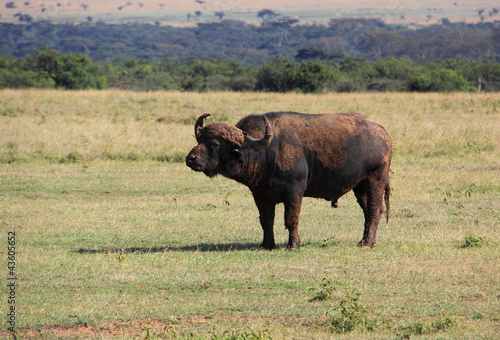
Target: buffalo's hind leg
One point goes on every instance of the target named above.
(369, 194)
(361, 196)
(292, 213)
(266, 217)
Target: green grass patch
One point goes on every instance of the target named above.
(472, 241)
(425, 328)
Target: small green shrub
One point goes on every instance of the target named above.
(326, 290)
(472, 241)
(416, 328)
(352, 314)
(422, 328)
(443, 323)
(327, 242)
(478, 315)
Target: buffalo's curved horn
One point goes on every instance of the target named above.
(259, 144)
(198, 125)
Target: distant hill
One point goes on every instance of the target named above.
(190, 12)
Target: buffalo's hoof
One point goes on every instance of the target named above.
(366, 244)
(266, 247)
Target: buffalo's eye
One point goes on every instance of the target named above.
(214, 144)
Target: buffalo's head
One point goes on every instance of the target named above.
(220, 147)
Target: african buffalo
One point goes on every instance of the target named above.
(284, 156)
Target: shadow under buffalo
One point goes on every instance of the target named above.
(203, 247)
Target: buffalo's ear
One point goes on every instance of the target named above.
(237, 155)
(233, 167)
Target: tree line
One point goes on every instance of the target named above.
(253, 45)
(48, 68)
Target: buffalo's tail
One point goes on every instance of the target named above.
(387, 194)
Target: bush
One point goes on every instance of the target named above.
(277, 76)
(439, 80)
(352, 314)
(50, 69)
(326, 290)
(285, 75)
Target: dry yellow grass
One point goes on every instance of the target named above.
(100, 124)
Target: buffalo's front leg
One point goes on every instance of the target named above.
(292, 213)
(266, 216)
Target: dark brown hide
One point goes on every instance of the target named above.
(285, 156)
(311, 136)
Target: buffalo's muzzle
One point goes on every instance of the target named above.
(191, 162)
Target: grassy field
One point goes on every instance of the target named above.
(116, 237)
